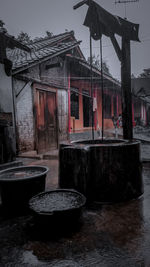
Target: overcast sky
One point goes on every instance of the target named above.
(37, 16)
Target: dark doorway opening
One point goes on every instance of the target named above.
(87, 109)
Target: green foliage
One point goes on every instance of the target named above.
(145, 74)
(1, 23)
(49, 34)
(23, 37)
(96, 63)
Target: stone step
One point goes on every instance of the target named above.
(53, 154)
(30, 154)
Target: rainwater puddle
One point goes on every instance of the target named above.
(19, 174)
(55, 201)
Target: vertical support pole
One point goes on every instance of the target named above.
(69, 107)
(141, 112)
(15, 147)
(117, 106)
(126, 90)
(145, 116)
(102, 83)
(133, 121)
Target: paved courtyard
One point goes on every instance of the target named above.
(107, 235)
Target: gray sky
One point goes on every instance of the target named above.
(37, 16)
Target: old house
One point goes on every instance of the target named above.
(40, 82)
(7, 115)
(52, 86)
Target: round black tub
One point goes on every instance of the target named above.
(19, 184)
(108, 170)
(57, 207)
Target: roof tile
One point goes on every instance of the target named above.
(40, 50)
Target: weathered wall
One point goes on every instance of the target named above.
(57, 76)
(24, 103)
(24, 115)
(54, 75)
(33, 72)
(63, 114)
(6, 106)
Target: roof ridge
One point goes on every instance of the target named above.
(50, 37)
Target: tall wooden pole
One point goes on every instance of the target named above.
(126, 90)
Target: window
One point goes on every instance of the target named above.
(107, 106)
(75, 103)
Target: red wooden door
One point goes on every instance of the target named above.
(46, 121)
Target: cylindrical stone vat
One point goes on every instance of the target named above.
(103, 170)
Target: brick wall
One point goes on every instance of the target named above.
(24, 116)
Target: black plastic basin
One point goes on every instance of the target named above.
(57, 207)
(19, 184)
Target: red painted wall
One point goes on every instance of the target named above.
(77, 125)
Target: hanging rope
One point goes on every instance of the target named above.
(91, 70)
(102, 84)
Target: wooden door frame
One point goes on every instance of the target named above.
(47, 89)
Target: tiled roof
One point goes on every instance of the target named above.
(94, 69)
(41, 50)
(49, 41)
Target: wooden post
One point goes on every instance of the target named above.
(126, 90)
(69, 106)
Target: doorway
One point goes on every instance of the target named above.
(87, 109)
(46, 121)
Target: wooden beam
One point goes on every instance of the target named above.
(81, 4)
(126, 90)
(116, 47)
(53, 65)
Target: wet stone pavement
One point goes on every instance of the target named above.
(107, 235)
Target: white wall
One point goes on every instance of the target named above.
(63, 114)
(24, 115)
